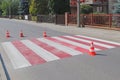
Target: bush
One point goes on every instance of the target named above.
(86, 9)
(34, 18)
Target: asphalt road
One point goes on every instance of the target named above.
(104, 66)
(30, 30)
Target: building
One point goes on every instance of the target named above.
(99, 6)
(112, 4)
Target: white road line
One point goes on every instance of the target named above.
(100, 40)
(75, 43)
(61, 47)
(100, 44)
(17, 59)
(40, 51)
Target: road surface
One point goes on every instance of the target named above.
(61, 56)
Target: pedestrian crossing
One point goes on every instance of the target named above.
(36, 51)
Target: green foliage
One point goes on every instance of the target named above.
(34, 18)
(99, 13)
(58, 6)
(9, 7)
(0, 4)
(0, 7)
(51, 6)
(20, 9)
(86, 9)
(42, 6)
(14, 7)
(38, 7)
(23, 8)
(33, 7)
(5, 7)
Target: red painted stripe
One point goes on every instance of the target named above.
(31, 56)
(85, 43)
(51, 49)
(69, 45)
(97, 41)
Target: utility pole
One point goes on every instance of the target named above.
(9, 11)
(78, 13)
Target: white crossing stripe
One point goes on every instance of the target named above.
(76, 44)
(107, 46)
(31, 52)
(15, 56)
(100, 40)
(41, 52)
(61, 47)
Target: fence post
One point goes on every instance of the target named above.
(110, 20)
(55, 19)
(66, 18)
(92, 19)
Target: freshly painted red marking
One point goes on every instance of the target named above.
(51, 49)
(69, 45)
(97, 41)
(31, 56)
(85, 43)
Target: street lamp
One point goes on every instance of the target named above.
(78, 13)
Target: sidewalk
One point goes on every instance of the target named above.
(111, 35)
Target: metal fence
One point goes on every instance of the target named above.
(46, 18)
(104, 20)
(116, 20)
(57, 19)
(72, 19)
(98, 19)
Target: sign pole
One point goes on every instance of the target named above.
(78, 13)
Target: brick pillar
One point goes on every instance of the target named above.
(66, 18)
(110, 20)
(91, 18)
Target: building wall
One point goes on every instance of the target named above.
(98, 7)
(73, 10)
(111, 5)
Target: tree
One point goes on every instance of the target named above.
(42, 6)
(38, 7)
(51, 6)
(23, 8)
(5, 7)
(14, 7)
(9, 7)
(58, 6)
(86, 9)
(0, 7)
(33, 7)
